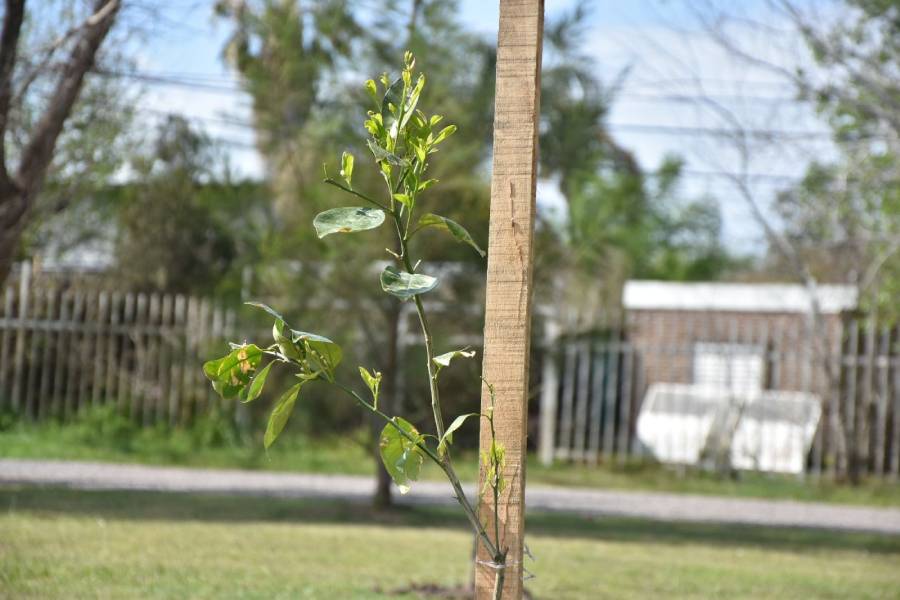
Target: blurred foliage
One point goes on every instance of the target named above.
(844, 216)
(620, 221)
(184, 222)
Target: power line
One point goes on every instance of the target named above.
(718, 131)
(651, 128)
(213, 83)
(245, 145)
(225, 84)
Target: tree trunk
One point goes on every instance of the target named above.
(388, 402)
(13, 210)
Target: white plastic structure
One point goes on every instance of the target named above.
(769, 430)
(776, 431)
(737, 367)
(676, 420)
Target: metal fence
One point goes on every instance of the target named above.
(666, 385)
(65, 347)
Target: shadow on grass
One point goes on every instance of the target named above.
(125, 505)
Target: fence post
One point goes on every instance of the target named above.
(19, 354)
(549, 393)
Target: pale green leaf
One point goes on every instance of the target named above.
(456, 230)
(347, 219)
(347, 168)
(413, 99)
(447, 438)
(266, 308)
(406, 285)
(426, 184)
(280, 414)
(402, 457)
(373, 382)
(372, 90)
(256, 386)
(444, 359)
(444, 134)
(403, 199)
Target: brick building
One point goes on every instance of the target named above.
(737, 335)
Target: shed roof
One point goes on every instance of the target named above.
(735, 297)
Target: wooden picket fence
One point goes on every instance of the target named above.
(66, 346)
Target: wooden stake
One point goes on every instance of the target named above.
(508, 309)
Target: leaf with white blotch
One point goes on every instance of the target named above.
(401, 456)
(347, 168)
(443, 360)
(406, 285)
(447, 438)
(347, 219)
(281, 413)
(456, 230)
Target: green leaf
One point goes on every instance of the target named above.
(231, 373)
(392, 96)
(382, 155)
(256, 386)
(372, 90)
(413, 99)
(406, 285)
(325, 353)
(426, 184)
(280, 414)
(456, 230)
(402, 458)
(373, 382)
(444, 359)
(347, 168)
(285, 342)
(403, 199)
(444, 134)
(266, 308)
(447, 438)
(347, 220)
(494, 461)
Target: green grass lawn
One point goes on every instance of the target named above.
(96, 439)
(68, 544)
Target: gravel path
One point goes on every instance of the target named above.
(648, 505)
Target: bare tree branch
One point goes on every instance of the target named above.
(38, 153)
(9, 44)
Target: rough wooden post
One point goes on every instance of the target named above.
(508, 308)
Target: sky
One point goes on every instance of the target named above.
(675, 85)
